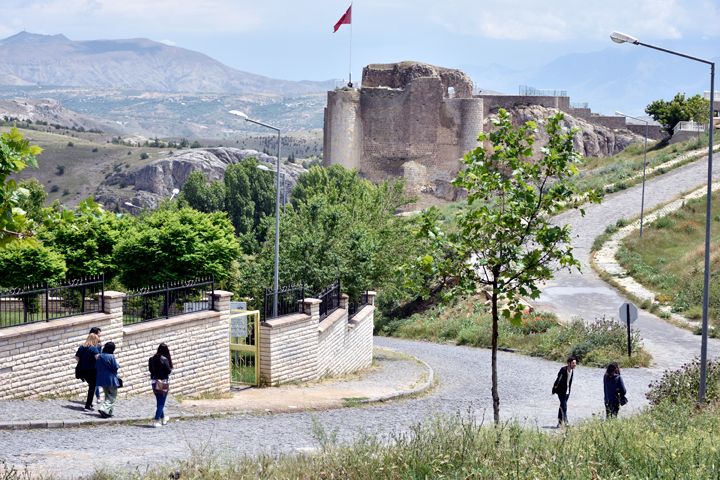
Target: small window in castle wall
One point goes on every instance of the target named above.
(451, 92)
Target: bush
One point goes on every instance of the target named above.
(70, 144)
(681, 386)
(144, 156)
(59, 170)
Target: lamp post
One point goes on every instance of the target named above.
(175, 191)
(642, 197)
(133, 205)
(618, 37)
(276, 273)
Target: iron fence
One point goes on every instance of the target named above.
(289, 300)
(528, 91)
(168, 300)
(329, 300)
(42, 302)
(357, 304)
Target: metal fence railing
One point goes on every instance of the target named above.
(289, 300)
(329, 300)
(42, 303)
(169, 300)
(691, 126)
(528, 91)
(357, 304)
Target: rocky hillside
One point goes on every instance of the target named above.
(146, 186)
(590, 141)
(133, 64)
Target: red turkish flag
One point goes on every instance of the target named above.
(346, 19)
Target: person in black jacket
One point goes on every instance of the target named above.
(562, 387)
(160, 366)
(614, 390)
(85, 370)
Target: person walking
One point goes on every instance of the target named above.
(562, 387)
(614, 391)
(85, 369)
(160, 366)
(107, 369)
(96, 331)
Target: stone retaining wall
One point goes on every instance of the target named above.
(299, 347)
(37, 360)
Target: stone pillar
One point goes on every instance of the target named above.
(371, 297)
(344, 299)
(112, 301)
(311, 306)
(221, 300)
(113, 330)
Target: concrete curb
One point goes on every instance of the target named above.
(93, 421)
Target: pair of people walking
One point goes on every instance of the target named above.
(613, 387)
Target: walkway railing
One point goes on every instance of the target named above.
(42, 303)
(169, 300)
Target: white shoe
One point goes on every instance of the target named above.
(157, 424)
(165, 420)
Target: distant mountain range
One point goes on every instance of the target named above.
(131, 64)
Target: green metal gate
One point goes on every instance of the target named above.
(244, 347)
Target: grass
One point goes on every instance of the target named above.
(467, 322)
(669, 259)
(618, 171)
(669, 441)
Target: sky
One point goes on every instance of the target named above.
(293, 39)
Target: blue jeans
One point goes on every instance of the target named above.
(562, 411)
(160, 398)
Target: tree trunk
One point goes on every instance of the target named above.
(495, 394)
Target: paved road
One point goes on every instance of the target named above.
(463, 373)
(585, 295)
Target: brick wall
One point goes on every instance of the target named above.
(300, 348)
(37, 360)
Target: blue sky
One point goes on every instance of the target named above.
(294, 40)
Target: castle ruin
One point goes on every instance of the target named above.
(416, 121)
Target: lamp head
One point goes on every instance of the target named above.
(175, 191)
(619, 37)
(238, 113)
(620, 114)
(131, 205)
(262, 167)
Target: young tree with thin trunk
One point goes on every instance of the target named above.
(506, 239)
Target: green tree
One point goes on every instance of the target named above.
(85, 236)
(171, 245)
(32, 202)
(16, 153)
(26, 262)
(505, 239)
(202, 195)
(679, 109)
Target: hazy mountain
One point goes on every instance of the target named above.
(130, 64)
(621, 77)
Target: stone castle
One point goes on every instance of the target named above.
(416, 121)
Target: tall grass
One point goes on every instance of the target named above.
(467, 322)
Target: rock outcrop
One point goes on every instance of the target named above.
(590, 141)
(146, 186)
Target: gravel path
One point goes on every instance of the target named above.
(463, 375)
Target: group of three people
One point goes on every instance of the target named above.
(613, 387)
(98, 366)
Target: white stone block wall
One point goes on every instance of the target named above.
(299, 348)
(37, 360)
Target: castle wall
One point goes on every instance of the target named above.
(343, 129)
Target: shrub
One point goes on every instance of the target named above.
(70, 144)
(144, 156)
(681, 386)
(59, 169)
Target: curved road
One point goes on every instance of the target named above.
(463, 374)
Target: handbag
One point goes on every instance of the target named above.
(120, 382)
(161, 385)
(622, 399)
(79, 373)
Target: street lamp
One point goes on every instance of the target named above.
(618, 37)
(175, 191)
(133, 205)
(642, 197)
(276, 285)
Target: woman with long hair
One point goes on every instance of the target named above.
(614, 390)
(160, 366)
(85, 357)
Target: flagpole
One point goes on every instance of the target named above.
(350, 65)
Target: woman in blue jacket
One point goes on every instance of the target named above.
(614, 390)
(107, 378)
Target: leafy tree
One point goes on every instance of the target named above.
(26, 262)
(505, 241)
(679, 109)
(85, 237)
(171, 245)
(202, 195)
(32, 202)
(16, 153)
